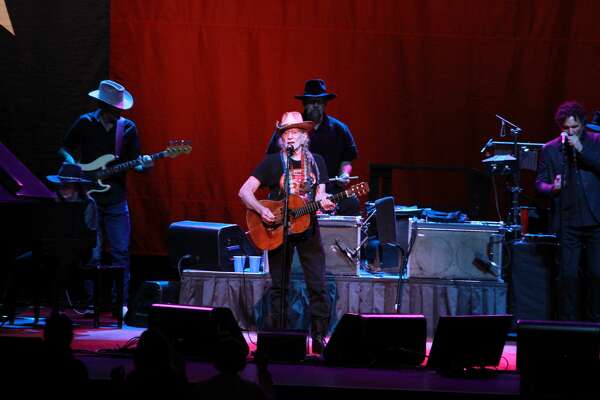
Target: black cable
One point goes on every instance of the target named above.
(403, 268)
(496, 201)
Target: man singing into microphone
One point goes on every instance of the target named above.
(308, 176)
(569, 172)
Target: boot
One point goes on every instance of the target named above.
(318, 332)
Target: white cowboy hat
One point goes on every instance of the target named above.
(114, 94)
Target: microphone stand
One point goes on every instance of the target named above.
(515, 189)
(284, 273)
(565, 180)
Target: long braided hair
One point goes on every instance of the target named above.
(307, 163)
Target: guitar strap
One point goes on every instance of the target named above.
(119, 136)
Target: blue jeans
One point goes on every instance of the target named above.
(114, 227)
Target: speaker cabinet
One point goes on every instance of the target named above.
(558, 358)
(206, 246)
(150, 292)
(468, 341)
(532, 271)
(282, 346)
(340, 236)
(462, 251)
(377, 339)
(194, 331)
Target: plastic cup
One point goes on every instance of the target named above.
(255, 263)
(239, 263)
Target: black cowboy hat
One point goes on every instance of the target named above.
(315, 88)
(594, 124)
(68, 173)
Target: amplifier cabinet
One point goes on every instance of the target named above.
(461, 251)
(340, 236)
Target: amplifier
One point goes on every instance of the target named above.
(206, 246)
(462, 251)
(340, 236)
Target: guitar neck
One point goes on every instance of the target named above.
(314, 205)
(127, 165)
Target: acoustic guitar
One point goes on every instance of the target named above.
(98, 169)
(270, 236)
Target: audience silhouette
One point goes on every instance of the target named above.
(229, 359)
(61, 372)
(158, 371)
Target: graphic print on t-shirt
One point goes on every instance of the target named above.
(298, 183)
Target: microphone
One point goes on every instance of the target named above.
(290, 150)
(350, 254)
(563, 138)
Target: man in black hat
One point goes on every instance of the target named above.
(331, 139)
(93, 135)
(569, 173)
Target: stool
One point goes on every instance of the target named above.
(99, 274)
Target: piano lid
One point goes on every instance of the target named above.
(17, 182)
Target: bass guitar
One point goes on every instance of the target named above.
(99, 169)
(270, 236)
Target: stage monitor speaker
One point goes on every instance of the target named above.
(462, 251)
(194, 331)
(378, 340)
(206, 246)
(558, 358)
(282, 346)
(151, 292)
(468, 341)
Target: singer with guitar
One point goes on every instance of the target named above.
(569, 172)
(96, 134)
(308, 175)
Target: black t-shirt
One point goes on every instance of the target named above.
(87, 140)
(270, 174)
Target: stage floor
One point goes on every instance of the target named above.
(108, 339)
(107, 347)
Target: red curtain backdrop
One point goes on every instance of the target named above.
(418, 82)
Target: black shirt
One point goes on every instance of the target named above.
(87, 140)
(576, 210)
(270, 174)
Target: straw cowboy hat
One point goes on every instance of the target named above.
(114, 94)
(293, 119)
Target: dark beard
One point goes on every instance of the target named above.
(314, 115)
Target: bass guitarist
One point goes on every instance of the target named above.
(95, 134)
(308, 176)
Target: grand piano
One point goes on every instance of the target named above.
(35, 220)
